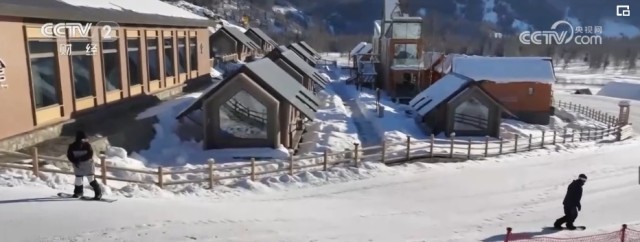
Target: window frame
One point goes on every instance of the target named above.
(58, 86)
(139, 48)
(169, 35)
(91, 69)
(119, 64)
(193, 42)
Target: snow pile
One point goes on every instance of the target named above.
(621, 89)
(332, 130)
(140, 6)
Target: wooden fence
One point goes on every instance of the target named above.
(388, 152)
(589, 112)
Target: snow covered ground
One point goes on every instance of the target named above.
(469, 201)
(415, 202)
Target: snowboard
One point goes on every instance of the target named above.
(565, 228)
(86, 198)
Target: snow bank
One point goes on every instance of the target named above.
(140, 6)
(332, 129)
(621, 89)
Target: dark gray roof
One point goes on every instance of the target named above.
(241, 37)
(58, 10)
(262, 35)
(303, 53)
(274, 80)
(438, 93)
(299, 64)
(309, 48)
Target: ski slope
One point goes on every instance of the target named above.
(468, 201)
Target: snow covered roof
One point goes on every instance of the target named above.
(438, 93)
(241, 37)
(357, 48)
(303, 53)
(309, 48)
(505, 69)
(272, 78)
(143, 12)
(297, 63)
(262, 35)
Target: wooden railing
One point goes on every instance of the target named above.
(388, 152)
(241, 110)
(477, 122)
(229, 57)
(589, 112)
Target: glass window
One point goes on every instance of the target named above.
(111, 66)
(407, 30)
(168, 57)
(244, 117)
(193, 53)
(44, 73)
(153, 59)
(471, 115)
(182, 55)
(82, 69)
(406, 54)
(133, 63)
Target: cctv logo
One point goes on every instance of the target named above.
(623, 10)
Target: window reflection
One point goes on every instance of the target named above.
(243, 116)
(471, 115)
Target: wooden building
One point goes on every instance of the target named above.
(522, 84)
(51, 80)
(263, 40)
(261, 105)
(457, 104)
(304, 54)
(310, 49)
(229, 40)
(298, 68)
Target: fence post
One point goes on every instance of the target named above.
(160, 177)
(618, 133)
(542, 142)
(431, 146)
(452, 137)
(103, 168)
(384, 151)
(608, 131)
(408, 156)
(508, 235)
(325, 158)
(573, 136)
(486, 145)
(253, 169)
(355, 153)
(35, 161)
(589, 134)
(554, 137)
(291, 163)
(501, 141)
(515, 148)
(468, 149)
(212, 163)
(530, 138)
(564, 137)
(580, 135)
(623, 233)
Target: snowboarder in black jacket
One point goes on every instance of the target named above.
(572, 203)
(80, 154)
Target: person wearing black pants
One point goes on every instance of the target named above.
(572, 203)
(80, 154)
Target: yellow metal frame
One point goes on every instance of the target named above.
(48, 114)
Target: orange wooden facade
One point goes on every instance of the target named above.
(520, 97)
